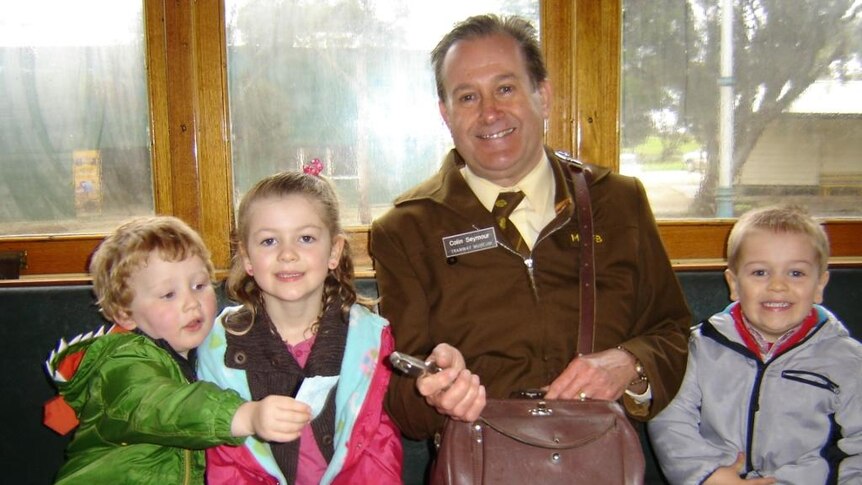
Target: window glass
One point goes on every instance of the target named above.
(349, 83)
(74, 149)
(778, 118)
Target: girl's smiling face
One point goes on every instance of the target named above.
(777, 280)
(289, 250)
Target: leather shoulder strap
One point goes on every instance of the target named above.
(587, 269)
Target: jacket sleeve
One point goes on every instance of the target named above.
(684, 455)
(849, 419)
(405, 305)
(662, 316)
(144, 402)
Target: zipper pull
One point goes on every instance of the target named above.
(528, 262)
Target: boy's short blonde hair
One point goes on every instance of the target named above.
(127, 249)
(790, 219)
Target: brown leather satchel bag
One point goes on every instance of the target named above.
(543, 441)
(546, 442)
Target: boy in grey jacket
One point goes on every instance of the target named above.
(771, 389)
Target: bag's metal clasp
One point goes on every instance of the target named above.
(541, 409)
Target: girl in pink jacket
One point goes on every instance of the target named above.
(302, 331)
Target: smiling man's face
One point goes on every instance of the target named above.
(494, 112)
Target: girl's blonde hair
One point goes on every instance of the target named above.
(243, 289)
(787, 218)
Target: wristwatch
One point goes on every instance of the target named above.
(639, 368)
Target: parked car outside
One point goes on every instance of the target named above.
(695, 160)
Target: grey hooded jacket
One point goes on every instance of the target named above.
(797, 417)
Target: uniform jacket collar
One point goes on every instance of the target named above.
(448, 188)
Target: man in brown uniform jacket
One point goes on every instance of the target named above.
(447, 274)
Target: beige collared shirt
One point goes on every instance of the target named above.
(537, 208)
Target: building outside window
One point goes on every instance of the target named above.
(793, 96)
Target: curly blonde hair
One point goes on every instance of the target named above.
(127, 249)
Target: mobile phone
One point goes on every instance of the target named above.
(412, 366)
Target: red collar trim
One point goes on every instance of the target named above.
(751, 344)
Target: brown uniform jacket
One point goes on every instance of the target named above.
(518, 332)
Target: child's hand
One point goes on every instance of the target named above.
(728, 475)
(273, 418)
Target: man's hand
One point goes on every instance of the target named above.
(273, 418)
(601, 375)
(729, 475)
(454, 391)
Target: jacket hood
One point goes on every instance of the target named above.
(70, 370)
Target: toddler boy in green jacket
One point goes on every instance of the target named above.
(132, 392)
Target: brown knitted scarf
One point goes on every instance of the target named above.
(271, 369)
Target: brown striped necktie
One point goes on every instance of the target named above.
(503, 207)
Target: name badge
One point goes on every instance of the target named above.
(470, 242)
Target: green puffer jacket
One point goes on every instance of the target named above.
(141, 421)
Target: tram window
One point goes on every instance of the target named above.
(279, 55)
(349, 83)
(74, 139)
(796, 84)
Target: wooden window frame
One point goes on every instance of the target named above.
(186, 65)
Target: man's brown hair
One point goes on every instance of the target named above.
(481, 26)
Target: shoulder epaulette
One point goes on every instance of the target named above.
(567, 157)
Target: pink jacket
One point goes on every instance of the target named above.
(374, 453)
